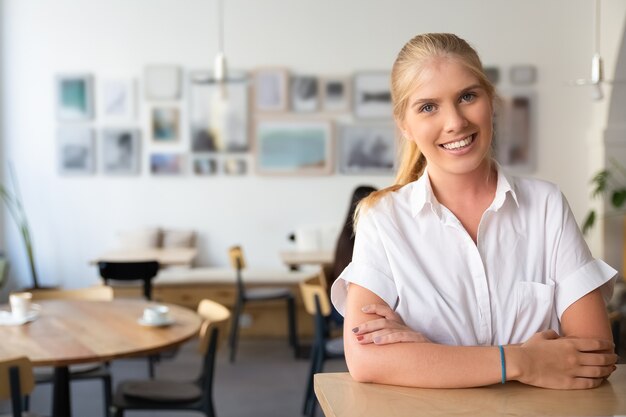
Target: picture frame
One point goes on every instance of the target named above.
(118, 99)
(76, 150)
(304, 93)
(367, 148)
(372, 95)
(299, 147)
(514, 143)
(523, 74)
(235, 166)
(336, 94)
(167, 164)
(121, 151)
(165, 124)
(74, 97)
(219, 119)
(270, 88)
(205, 166)
(162, 82)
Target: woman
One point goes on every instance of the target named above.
(461, 275)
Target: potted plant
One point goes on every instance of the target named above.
(13, 203)
(612, 182)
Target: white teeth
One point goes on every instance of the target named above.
(458, 144)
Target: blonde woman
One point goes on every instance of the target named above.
(462, 275)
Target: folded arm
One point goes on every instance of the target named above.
(545, 360)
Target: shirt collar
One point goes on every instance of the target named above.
(422, 193)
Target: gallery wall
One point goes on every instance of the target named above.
(73, 219)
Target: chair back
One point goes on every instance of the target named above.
(95, 293)
(238, 262)
(216, 318)
(310, 289)
(16, 380)
(130, 271)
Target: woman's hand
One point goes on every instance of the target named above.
(549, 361)
(385, 327)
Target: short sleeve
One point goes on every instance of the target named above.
(576, 273)
(370, 266)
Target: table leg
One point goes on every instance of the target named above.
(61, 404)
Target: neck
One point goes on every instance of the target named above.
(452, 189)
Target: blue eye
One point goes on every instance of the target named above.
(427, 108)
(468, 97)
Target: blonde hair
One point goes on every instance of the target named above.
(404, 76)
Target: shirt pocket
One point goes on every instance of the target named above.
(535, 307)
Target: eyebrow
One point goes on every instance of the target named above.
(434, 100)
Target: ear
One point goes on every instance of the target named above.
(401, 128)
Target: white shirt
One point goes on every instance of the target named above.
(529, 264)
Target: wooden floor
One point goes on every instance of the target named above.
(265, 381)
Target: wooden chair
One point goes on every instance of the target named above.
(176, 395)
(316, 303)
(78, 372)
(245, 295)
(16, 380)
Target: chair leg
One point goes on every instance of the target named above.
(319, 366)
(293, 333)
(309, 386)
(234, 330)
(152, 360)
(26, 405)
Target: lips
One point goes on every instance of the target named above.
(459, 144)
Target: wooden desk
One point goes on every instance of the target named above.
(76, 331)
(295, 258)
(165, 256)
(340, 396)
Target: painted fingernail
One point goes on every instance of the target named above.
(377, 339)
(359, 338)
(356, 329)
(365, 309)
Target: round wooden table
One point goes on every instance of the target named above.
(72, 331)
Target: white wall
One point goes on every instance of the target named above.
(73, 219)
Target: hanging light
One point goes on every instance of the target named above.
(219, 64)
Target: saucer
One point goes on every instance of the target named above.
(161, 323)
(8, 319)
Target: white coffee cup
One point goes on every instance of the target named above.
(156, 314)
(20, 304)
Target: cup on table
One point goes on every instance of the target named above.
(156, 314)
(20, 304)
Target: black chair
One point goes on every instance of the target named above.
(245, 295)
(317, 304)
(16, 380)
(133, 271)
(177, 395)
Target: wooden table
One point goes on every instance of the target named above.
(165, 256)
(340, 396)
(76, 331)
(296, 258)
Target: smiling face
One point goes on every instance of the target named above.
(449, 117)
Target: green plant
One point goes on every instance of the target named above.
(13, 203)
(611, 182)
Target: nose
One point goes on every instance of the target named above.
(455, 120)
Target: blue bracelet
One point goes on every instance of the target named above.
(502, 363)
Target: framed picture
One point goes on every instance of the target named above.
(304, 93)
(523, 74)
(219, 115)
(270, 89)
(165, 124)
(335, 94)
(294, 147)
(167, 164)
(493, 74)
(367, 149)
(74, 97)
(372, 95)
(76, 150)
(235, 166)
(118, 99)
(120, 151)
(205, 166)
(514, 130)
(162, 82)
